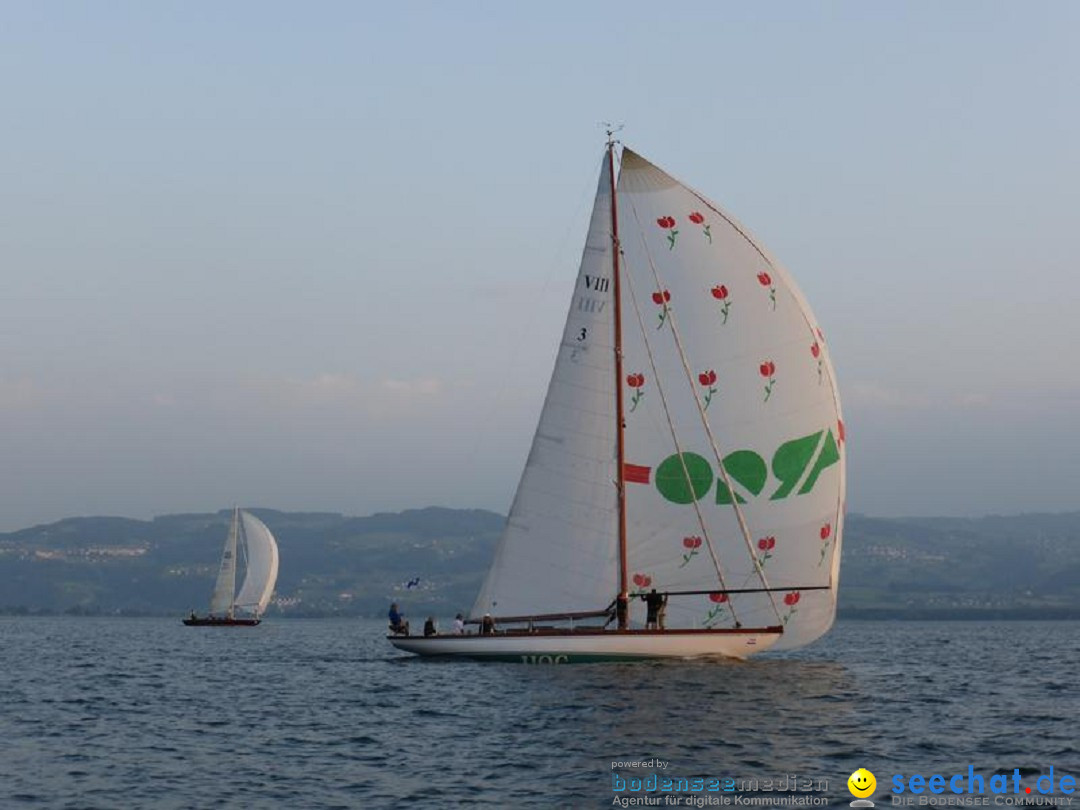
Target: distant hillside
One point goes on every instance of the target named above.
(1019, 566)
(330, 564)
(1015, 566)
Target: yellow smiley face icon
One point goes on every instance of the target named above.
(861, 783)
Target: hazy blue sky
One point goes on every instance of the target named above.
(318, 255)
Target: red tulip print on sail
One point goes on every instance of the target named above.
(815, 350)
(765, 280)
(825, 534)
(691, 544)
(768, 371)
(668, 224)
(642, 581)
(708, 382)
(637, 382)
(720, 293)
(791, 600)
(765, 545)
(661, 299)
(716, 610)
(699, 219)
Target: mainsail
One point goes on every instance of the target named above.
(734, 469)
(559, 550)
(262, 565)
(221, 601)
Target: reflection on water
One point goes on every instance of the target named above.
(147, 713)
(686, 708)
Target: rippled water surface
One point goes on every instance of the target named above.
(124, 713)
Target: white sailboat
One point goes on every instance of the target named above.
(229, 607)
(691, 443)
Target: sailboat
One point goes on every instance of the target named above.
(243, 608)
(690, 452)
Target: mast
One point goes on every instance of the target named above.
(620, 483)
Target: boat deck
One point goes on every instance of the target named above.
(597, 630)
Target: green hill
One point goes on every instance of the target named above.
(331, 564)
(1014, 566)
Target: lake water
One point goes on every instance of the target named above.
(131, 713)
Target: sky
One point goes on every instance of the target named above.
(318, 256)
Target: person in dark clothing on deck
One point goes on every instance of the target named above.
(621, 612)
(399, 626)
(654, 601)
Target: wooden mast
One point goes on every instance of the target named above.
(622, 600)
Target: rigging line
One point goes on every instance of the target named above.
(739, 516)
(752, 590)
(671, 428)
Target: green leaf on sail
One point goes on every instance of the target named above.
(746, 468)
(671, 477)
(791, 460)
(830, 454)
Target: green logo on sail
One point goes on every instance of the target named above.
(689, 477)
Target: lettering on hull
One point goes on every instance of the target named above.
(545, 659)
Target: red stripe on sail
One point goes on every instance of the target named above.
(636, 474)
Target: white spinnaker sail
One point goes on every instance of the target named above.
(758, 360)
(262, 566)
(221, 601)
(559, 550)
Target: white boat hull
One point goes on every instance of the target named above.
(579, 647)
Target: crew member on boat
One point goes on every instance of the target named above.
(398, 624)
(621, 612)
(654, 601)
(487, 625)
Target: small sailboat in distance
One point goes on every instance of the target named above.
(243, 608)
(689, 454)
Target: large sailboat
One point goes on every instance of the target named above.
(690, 452)
(243, 608)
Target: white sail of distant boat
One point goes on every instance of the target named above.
(262, 566)
(691, 443)
(250, 536)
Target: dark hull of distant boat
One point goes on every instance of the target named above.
(214, 621)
